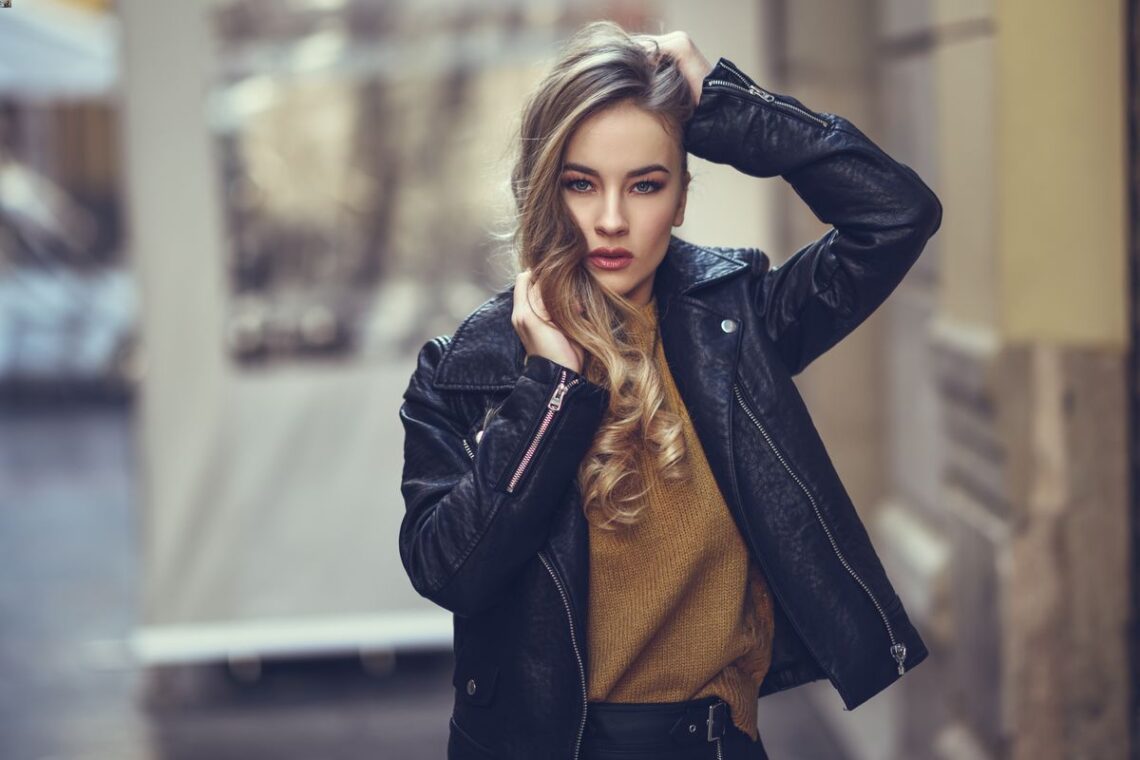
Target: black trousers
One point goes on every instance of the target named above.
(666, 731)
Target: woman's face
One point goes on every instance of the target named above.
(621, 179)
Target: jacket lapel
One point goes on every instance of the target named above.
(485, 353)
(701, 339)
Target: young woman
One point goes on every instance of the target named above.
(609, 476)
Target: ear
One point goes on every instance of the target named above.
(679, 217)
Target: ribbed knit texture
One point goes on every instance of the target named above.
(677, 610)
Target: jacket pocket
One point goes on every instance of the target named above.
(460, 745)
(475, 681)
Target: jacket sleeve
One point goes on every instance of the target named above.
(881, 211)
(475, 515)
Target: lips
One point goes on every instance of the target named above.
(610, 258)
(611, 252)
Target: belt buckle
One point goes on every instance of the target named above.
(716, 720)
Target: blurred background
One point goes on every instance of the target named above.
(226, 226)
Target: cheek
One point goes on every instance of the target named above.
(577, 212)
(659, 217)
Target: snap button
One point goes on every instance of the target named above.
(471, 687)
(692, 728)
(479, 436)
(728, 325)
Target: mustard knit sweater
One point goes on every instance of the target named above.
(677, 610)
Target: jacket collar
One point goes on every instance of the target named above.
(485, 353)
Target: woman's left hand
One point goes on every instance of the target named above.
(680, 46)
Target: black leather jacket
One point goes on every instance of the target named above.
(494, 530)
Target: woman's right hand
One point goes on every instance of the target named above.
(538, 334)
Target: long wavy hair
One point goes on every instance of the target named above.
(599, 66)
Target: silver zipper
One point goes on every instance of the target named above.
(898, 649)
(719, 753)
(467, 446)
(747, 85)
(768, 97)
(577, 651)
(552, 407)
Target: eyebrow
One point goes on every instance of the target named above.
(631, 173)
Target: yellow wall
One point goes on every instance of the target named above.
(1061, 171)
(969, 292)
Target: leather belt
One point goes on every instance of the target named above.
(696, 721)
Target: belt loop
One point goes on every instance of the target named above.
(716, 720)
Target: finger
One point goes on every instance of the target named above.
(536, 302)
(522, 287)
(522, 282)
(651, 46)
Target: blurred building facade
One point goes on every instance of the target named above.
(997, 480)
(978, 418)
(308, 190)
(67, 302)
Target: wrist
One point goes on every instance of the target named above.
(570, 364)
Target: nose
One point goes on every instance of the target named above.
(611, 221)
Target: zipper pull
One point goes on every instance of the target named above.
(898, 651)
(560, 392)
(757, 91)
(555, 402)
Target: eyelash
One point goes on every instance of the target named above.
(654, 185)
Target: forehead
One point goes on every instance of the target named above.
(622, 136)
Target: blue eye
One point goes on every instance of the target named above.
(647, 185)
(653, 186)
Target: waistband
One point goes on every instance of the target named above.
(690, 722)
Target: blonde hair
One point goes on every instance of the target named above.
(599, 66)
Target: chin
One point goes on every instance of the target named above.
(621, 287)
